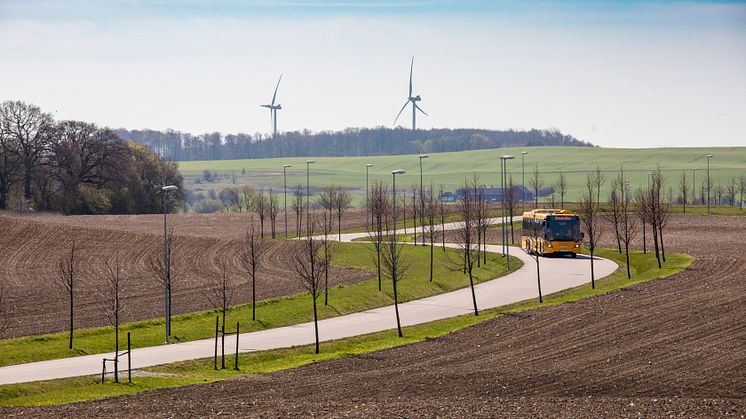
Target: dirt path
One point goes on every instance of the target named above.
(671, 347)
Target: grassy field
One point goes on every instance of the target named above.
(451, 168)
(200, 371)
(271, 313)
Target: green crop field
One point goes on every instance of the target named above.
(451, 168)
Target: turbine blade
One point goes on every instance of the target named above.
(402, 110)
(411, 67)
(276, 87)
(420, 109)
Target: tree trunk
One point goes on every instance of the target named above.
(538, 276)
(253, 291)
(655, 244)
(315, 322)
(626, 252)
(378, 265)
(593, 277)
(396, 309)
(222, 340)
(663, 249)
(71, 318)
(431, 259)
(479, 247)
(326, 283)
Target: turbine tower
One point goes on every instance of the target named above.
(413, 100)
(273, 109)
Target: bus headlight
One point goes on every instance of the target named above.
(577, 245)
(549, 245)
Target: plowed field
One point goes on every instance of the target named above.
(31, 249)
(672, 347)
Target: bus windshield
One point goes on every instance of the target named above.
(562, 230)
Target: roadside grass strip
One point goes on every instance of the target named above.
(643, 268)
(271, 313)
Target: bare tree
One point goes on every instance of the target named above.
(511, 199)
(415, 204)
(67, 271)
(222, 289)
(717, 192)
(731, 189)
(590, 220)
(442, 215)
(598, 179)
(642, 214)
(110, 299)
(246, 198)
(466, 235)
(534, 246)
(248, 258)
(273, 208)
(659, 212)
(536, 182)
(562, 188)
(325, 200)
(684, 189)
(627, 221)
(342, 203)
(431, 209)
(309, 265)
(298, 208)
(328, 251)
(165, 275)
(402, 205)
(614, 215)
(379, 209)
(261, 207)
(741, 189)
(394, 260)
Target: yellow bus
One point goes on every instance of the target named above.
(551, 232)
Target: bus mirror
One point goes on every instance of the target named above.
(582, 235)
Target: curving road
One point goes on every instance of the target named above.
(557, 275)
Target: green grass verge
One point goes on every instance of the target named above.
(643, 268)
(271, 313)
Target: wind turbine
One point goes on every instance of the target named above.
(273, 109)
(413, 100)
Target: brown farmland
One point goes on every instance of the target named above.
(672, 347)
(31, 247)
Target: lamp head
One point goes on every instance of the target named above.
(709, 156)
(524, 152)
(368, 165)
(424, 156)
(507, 157)
(398, 172)
(310, 161)
(287, 165)
(169, 188)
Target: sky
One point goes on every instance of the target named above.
(614, 73)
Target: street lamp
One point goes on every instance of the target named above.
(394, 251)
(367, 197)
(308, 196)
(166, 262)
(503, 179)
(709, 184)
(285, 193)
(523, 179)
(422, 200)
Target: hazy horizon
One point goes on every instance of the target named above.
(616, 74)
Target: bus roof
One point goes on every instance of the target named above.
(543, 213)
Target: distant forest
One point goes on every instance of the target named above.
(180, 146)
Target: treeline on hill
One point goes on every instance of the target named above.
(180, 146)
(76, 167)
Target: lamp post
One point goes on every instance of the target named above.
(523, 180)
(166, 262)
(709, 184)
(285, 193)
(367, 197)
(308, 195)
(395, 250)
(422, 200)
(503, 178)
